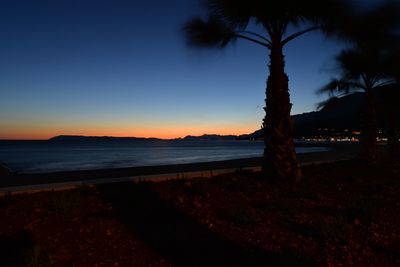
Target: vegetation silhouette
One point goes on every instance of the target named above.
(358, 75)
(391, 94)
(363, 68)
(230, 20)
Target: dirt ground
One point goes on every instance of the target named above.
(341, 214)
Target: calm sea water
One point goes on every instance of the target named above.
(43, 156)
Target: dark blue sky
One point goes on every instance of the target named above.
(121, 67)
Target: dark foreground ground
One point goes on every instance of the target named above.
(342, 214)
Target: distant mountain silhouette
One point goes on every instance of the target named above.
(253, 136)
(96, 138)
(340, 115)
(211, 137)
(205, 137)
(337, 116)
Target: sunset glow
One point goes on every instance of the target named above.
(69, 71)
(43, 132)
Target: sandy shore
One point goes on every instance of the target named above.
(339, 151)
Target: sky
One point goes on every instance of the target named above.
(123, 68)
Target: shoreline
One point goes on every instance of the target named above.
(24, 182)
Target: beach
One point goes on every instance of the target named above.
(35, 181)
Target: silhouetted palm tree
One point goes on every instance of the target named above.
(361, 71)
(363, 67)
(391, 95)
(229, 20)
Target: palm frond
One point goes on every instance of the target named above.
(236, 13)
(325, 13)
(339, 86)
(273, 16)
(210, 33)
(363, 62)
(366, 28)
(391, 57)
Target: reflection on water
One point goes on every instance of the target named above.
(42, 156)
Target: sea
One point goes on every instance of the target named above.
(47, 156)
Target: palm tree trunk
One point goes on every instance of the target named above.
(393, 130)
(393, 135)
(369, 130)
(280, 159)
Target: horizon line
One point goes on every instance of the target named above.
(110, 136)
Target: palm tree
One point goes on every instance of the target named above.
(361, 70)
(364, 66)
(229, 20)
(390, 94)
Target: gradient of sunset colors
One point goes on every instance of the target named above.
(122, 68)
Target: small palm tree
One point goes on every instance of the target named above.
(361, 71)
(390, 94)
(364, 66)
(229, 20)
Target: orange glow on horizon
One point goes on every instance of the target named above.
(43, 133)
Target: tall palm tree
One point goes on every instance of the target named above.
(229, 20)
